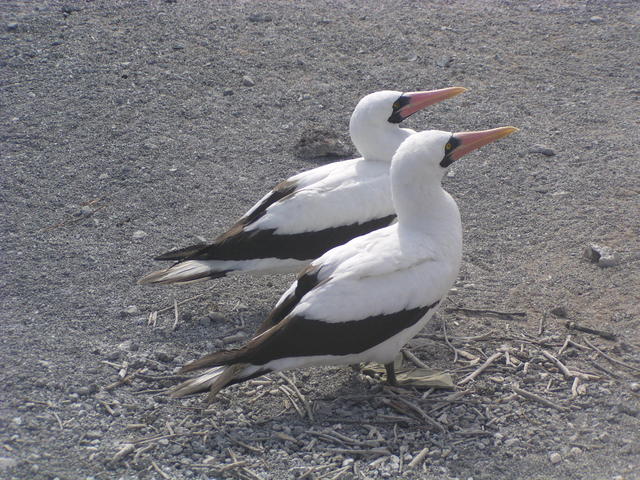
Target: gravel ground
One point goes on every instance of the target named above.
(129, 128)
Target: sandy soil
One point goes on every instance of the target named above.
(129, 128)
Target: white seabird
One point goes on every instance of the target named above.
(362, 301)
(316, 210)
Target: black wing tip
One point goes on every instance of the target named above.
(181, 253)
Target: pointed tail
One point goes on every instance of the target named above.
(223, 373)
(183, 272)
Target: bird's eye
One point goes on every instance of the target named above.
(396, 105)
(447, 146)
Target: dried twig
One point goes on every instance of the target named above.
(611, 359)
(419, 363)
(123, 452)
(418, 459)
(481, 368)
(480, 311)
(290, 396)
(176, 316)
(564, 345)
(303, 399)
(58, 420)
(565, 371)
(537, 398)
(541, 324)
(418, 410)
(360, 451)
(157, 469)
(446, 339)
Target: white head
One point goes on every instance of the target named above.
(420, 162)
(374, 123)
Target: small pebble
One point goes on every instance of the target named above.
(112, 356)
(575, 451)
(86, 390)
(227, 92)
(138, 234)
(248, 81)
(130, 310)
(555, 458)
(86, 211)
(12, 27)
(93, 434)
(544, 150)
(103, 176)
(635, 387)
(596, 19)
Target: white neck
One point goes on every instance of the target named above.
(428, 213)
(377, 142)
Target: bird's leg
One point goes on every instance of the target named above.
(391, 374)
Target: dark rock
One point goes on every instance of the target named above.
(260, 18)
(603, 256)
(559, 312)
(546, 151)
(227, 92)
(248, 81)
(320, 143)
(12, 27)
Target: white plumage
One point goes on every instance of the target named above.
(316, 210)
(364, 300)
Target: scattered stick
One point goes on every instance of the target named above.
(481, 368)
(157, 469)
(246, 445)
(359, 451)
(141, 451)
(564, 345)
(303, 399)
(604, 370)
(290, 395)
(611, 359)
(410, 356)
(123, 452)
(537, 398)
(541, 325)
(161, 437)
(563, 368)
(60, 424)
(481, 311)
(107, 407)
(579, 346)
(418, 459)
(574, 387)
(426, 418)
(446, 339)
(176, 316)
(600, 333)
(336, 474)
